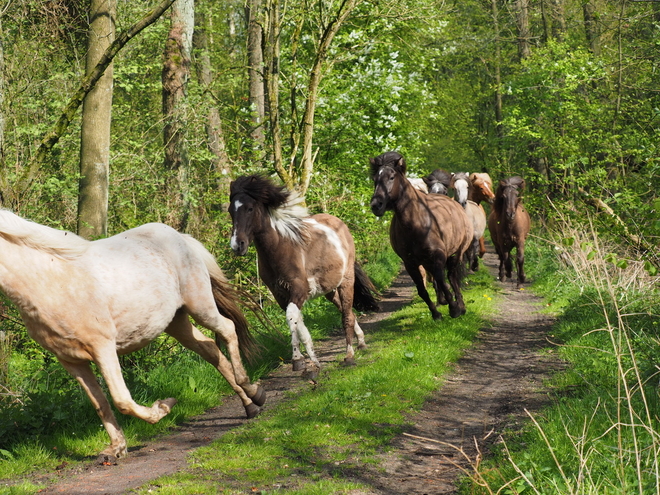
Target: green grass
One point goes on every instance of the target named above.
(601, 435)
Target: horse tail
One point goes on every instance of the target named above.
(365, 294)
(227, 299)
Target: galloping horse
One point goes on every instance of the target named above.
(462, 185)
(300, 257)
(482, 188)
(430, 230)
(509, 225)
(92, 301)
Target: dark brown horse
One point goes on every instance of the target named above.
(509, 225)
(438, 182)
(300, 257)
(430, 230)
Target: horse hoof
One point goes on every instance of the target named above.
(455, 312)
(312, 375)
(106, 460)
(260, 397)
(436, 316)
(298, 365)
(252, 410)
(362, 347)
(348, 362)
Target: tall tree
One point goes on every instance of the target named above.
(214, 134)
(522, 20)
(591, 27)
(95, 132)
(175, 76)
(255, 71)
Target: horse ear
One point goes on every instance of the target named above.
(401, 165)
(522, 184)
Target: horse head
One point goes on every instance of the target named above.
(387, 171)
(438, 181)
(482, 186)
(250, 198)
(461, 183)
(507, 197)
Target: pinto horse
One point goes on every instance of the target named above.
(430, 230)
(462, 186)
(93, 301)
(509, 224)
(300, 257)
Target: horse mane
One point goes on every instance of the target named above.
(392, 159)
(60, 243)
(283, 206)
(438, 175)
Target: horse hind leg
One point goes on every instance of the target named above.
(342, 297)
(252, 396)
(87, 380)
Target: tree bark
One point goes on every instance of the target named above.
(95, 131)
(522, 20)
(214, 133)
(256, 73)
(175, 76)
(558, 20)
(498, 76)
(591, 27)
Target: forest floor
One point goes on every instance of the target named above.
(488, 391)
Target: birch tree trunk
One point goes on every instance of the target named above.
(95, 131)
(175, 76)
(256, 73)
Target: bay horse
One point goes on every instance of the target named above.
(462, 186)
(300, 257)
(509, 224)
(90, 301)
(430, 230)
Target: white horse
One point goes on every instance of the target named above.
(92, 301)
(460, 181)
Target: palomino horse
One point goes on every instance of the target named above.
(509, 225)
(300, 257)
(438, 182)
(482, 188)
(92, 301)
(427, 229)
(462, 185)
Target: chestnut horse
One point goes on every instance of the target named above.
(462, 186)
(93, 301)
(300, 257)
(430, 230)
(509, 224)
(482, 188)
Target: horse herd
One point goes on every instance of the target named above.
(92, 301)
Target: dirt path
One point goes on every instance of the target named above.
(488, 391)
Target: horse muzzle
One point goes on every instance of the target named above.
(239, 246)
(378, 207)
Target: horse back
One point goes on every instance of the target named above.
(435, 223)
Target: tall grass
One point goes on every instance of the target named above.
(602, 435)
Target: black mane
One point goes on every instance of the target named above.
(261, 189)
(392, 159)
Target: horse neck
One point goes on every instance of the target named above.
(270, 244)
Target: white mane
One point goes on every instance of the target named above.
(287, 219)
(60, 243)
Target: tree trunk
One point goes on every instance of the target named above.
(498, 76)
(95, 131)
(256, 73)
(590, 27)
(522, 20)
(558, 20)
(214, 134)
(175, 76)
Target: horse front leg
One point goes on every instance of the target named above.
(252, 396)
(107, 361)
(87, 380)
(520, 263)
(416, 275)
(299, 332)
